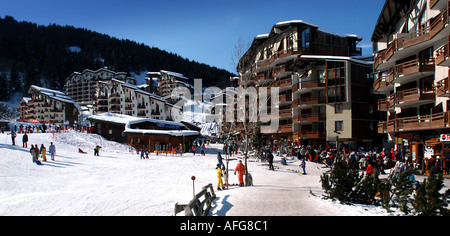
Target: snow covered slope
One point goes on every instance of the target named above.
(119, 183)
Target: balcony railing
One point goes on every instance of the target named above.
(383, 104)
(433, 27)
(442, 54)
(313, 117)
(286, 113)
(310, 101)
(442, 87)
(285, 128)
(310, 134)
(411, 96)
(415, 123)
(411, 69)
(312, 84)
(381, 84)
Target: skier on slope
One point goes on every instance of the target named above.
(219, 177)
(96, 150)
(303, 165)
(240, 168)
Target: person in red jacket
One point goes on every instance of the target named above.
(240, 168)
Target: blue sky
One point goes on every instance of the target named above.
(203, 31)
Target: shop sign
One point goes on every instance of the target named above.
(445, 138)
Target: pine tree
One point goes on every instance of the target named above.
(14, 81)
(341, 181)
(4, 91)
(428, 199)
(366, 191)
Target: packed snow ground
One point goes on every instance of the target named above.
(119, 183)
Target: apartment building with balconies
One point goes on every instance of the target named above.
(325, 86)
(51, 106)
(80, 85)
(115, 96)
(167, 81)
(411, 67)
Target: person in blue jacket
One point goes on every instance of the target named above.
(303, 165)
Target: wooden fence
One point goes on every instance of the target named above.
(200, 205)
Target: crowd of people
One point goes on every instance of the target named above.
(41, 152)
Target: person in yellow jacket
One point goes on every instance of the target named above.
(219, 177)
(43, 152)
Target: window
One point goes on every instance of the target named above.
(305, 39)
(338, 108)
(320, 76)
(339, 125)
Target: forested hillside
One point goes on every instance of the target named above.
(46, 55)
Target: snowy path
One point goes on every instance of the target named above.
(276, 193)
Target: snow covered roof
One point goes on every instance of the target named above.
(284, 23)
(262, 36)
(114, 118)
(168, 128)
(26, 99)
(57, 95)
(178, 133)
(178, 75)
(175, 128)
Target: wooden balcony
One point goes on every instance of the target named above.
(312, 84)
(285, 128)
(435, 25)
(285, 83)
(285, 98)
(413, 69)
(285, 113)
(442, 54)
(313, 117)
(278, 57)
(381, 85)
(310, 101)
(279, 70)
(383, 104)
(442, 87)
(415, 123)
(412, 97)
(413, 41)
(310, 134)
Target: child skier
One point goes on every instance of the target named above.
(303, 165)
(219, 177)
(96, 150)
(43, 152)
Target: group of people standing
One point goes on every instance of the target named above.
(220, 168)
(36, 151)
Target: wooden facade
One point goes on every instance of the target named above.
(412, 71)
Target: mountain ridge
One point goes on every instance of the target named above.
(47, 55)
